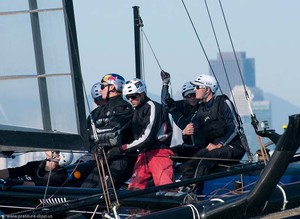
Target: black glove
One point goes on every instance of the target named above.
(107, 136)
(165, 77)
(114, 152)
(171, 105)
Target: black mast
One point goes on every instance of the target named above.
(138, 23)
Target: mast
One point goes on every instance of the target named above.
(138, 23)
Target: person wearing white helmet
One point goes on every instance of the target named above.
(111, 120)
(37, 172)
(216, 128)
(182, 112)
(66, 158)
(152, 134)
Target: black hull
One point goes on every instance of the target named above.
(254, 203)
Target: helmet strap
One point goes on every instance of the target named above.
(206, 93)
(108, 92)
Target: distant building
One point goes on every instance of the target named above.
(246, 67)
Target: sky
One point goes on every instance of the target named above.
(267, 31)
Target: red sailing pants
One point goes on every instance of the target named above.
(154, 163)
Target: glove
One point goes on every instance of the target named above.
(165, 76)
(171, 105)
(113, 153)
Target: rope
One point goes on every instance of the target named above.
(217, 199)
(263, 150)
(152, 49)
(60, 188)
(156, 59)
(199, 158)
(284, 197)
(106, 199)
(194, 211)
(222, 60)
(112, 182)
(205, 54)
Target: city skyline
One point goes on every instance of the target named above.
(106, 42)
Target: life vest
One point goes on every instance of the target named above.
(211, 123)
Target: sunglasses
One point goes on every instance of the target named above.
(190, 95)
(133, 97)
(200, 87)
(103, 86)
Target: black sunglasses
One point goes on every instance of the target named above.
(103, 86)
(200, 87)
(190, 95)
(133, 97)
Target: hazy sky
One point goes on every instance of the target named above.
(266, 30)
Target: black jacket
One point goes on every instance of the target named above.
(151, 127)
(215, 123)
(111, 119)
(37, 173)
(182, 112)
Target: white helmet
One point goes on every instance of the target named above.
(65, 158)
(187, 88)
(135, 86)
(207, 81)
(117, 80)
(96, 91)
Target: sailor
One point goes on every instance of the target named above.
(152, 134)
(98, 100)
(216, 128)
(40, 173)
(111, 119)
(182, 112)
(96, 94)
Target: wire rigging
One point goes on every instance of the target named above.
(200, 42)
(241, 131)
(157, 61)
(253, 118)
(151, 49)
(221, 56)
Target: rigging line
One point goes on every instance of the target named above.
(205, 54)
(49, 176)
(237, 62)
(111, 179)
(61, 187)
(199, 158)
(191, 158)
(106, 199)
(215, 192)
(171, 92)
(263, 149)
(221, 56)
(105, 187)
(151, 49)
(103, 180)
